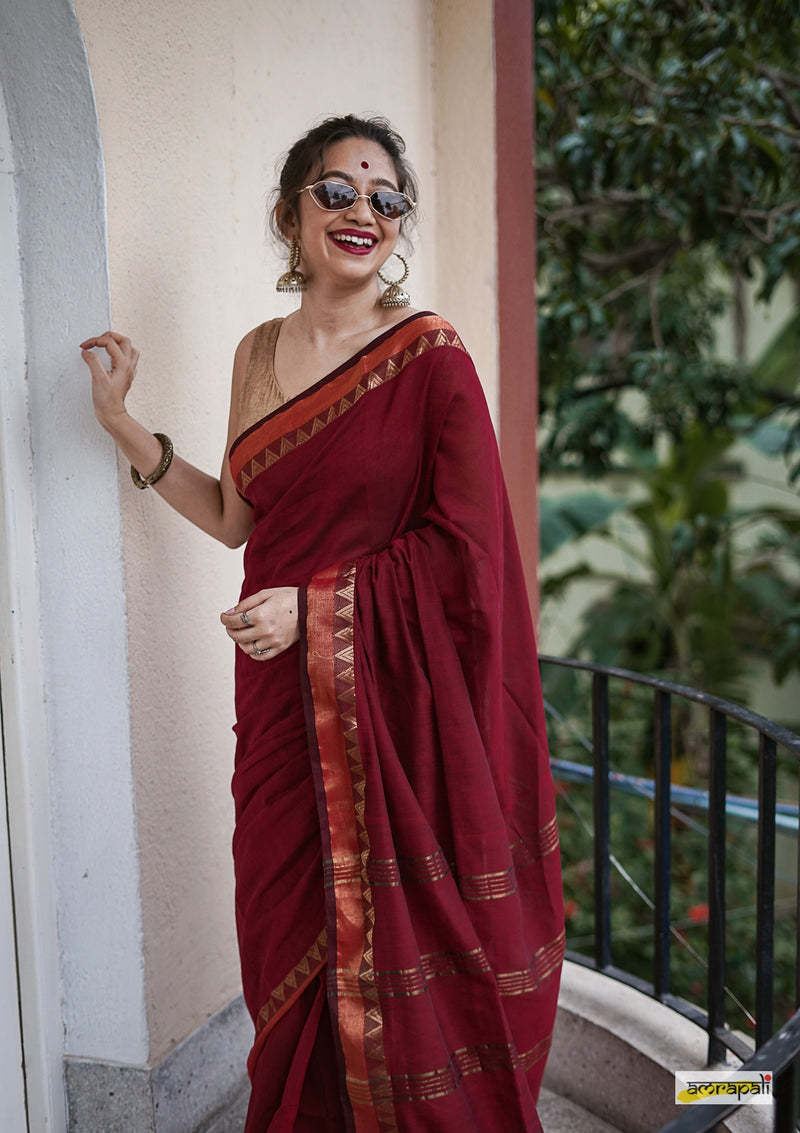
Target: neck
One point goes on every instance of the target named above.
(324, 316)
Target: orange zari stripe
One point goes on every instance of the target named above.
(331, 672)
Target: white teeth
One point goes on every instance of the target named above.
(359, 240)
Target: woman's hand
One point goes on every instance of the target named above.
(264, 624)
(110, 387)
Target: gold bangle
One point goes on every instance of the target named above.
(157, 473)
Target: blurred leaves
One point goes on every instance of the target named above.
(668, 164)
(706, 586)
(561, 521)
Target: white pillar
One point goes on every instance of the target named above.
(71, 675)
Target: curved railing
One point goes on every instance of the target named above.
(778, 1051)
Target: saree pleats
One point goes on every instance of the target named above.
(395, 814)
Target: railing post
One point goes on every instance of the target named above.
(786, 1090)
(765, 895)
(662, 767)
(602, 833)
(797, 921)
(716, 883)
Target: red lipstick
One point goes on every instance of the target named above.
(352, 241)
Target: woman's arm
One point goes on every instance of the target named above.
(212, 505)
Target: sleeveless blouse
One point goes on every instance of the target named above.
(260, 394)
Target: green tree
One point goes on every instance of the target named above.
(669, 173)
(668, 168)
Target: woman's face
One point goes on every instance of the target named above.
(349, 246)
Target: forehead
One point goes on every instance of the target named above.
(348, 155)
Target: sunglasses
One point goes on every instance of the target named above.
(333, 196)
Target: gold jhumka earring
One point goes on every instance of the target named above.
(395, 295)
(292, 281)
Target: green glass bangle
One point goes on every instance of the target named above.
(157, 473)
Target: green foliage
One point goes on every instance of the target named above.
(708, 587)
(561, 521)
(668, 161)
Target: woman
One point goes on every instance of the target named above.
(397, 878)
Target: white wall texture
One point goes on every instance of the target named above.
(63, 639)
(196, 99)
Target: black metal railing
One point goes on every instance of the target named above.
(776, 1051)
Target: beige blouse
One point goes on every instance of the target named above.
(260, 394)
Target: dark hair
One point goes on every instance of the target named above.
(304, 161)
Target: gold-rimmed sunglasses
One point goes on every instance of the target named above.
(333, 196)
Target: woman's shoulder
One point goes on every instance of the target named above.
(250, 352)
(262, 331)
(437, 330)
(431, 342)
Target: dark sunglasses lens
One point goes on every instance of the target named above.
(390, 205)
(333, 196)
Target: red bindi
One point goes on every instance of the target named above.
(365, 165)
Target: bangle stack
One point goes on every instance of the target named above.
(164, 463)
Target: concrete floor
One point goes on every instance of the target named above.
(562, 1116)
(558, 1116)
(231, 1119)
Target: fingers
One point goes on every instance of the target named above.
(95, 364)
(260, 598)
(232, 619)
(110, 338)
(264, 624)
(119, 348)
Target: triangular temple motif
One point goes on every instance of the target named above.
(297, 978)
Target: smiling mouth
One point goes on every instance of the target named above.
(349, 240)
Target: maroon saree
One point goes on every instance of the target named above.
(398, 885)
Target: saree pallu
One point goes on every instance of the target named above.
(398, 883)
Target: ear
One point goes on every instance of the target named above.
(286, 220)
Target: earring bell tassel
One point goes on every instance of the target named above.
(395, 295)
(292, 281)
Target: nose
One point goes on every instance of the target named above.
(361, 210)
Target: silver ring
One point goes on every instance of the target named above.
(245, 618)
(258, 652)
